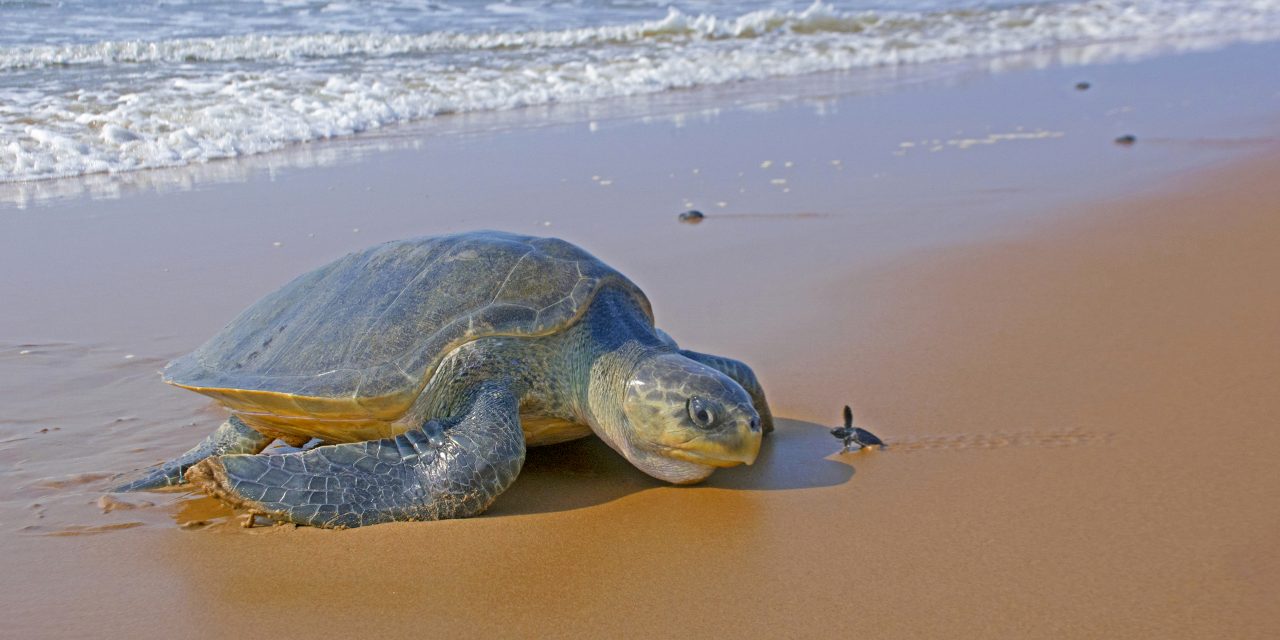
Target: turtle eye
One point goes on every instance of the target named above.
(700, 412)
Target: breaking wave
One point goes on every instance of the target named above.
(109, 106)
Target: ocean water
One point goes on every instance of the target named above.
(104, 86)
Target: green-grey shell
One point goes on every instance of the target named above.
(360, 337)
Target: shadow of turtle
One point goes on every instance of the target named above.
(586, 473)
(794, 456)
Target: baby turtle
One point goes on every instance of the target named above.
(1126, 140)
(427, 366)
(854, 437)
(691, 217)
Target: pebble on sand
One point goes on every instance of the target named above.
(692, 216)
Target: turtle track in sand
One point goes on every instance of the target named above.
(1048, 439)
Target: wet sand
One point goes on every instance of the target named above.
(1069, 346)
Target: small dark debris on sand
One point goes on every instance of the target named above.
(1082, 86)
(1126, 140)
(693, 216)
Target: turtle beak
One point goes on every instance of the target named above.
(725, 448)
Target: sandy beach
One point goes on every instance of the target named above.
(1070, 346)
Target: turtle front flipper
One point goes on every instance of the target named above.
(234, 436)
(743, 375)
(451, 468)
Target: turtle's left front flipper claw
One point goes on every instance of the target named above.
(234, 436)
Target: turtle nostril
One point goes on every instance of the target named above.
(755, 424)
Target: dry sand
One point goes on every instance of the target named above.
(1080, 403)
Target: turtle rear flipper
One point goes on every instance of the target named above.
(234, 436)
(454, 470)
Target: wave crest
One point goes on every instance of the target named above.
(119, 106)
(1087, 21)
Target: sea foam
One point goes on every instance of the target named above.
(109, 106)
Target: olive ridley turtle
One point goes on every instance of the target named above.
(426, 366)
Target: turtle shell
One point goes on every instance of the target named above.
(358, 339)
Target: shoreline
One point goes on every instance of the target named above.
(184, 101)
(674, 105)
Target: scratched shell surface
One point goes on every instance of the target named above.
(359, 337)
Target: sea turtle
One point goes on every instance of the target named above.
(426, 366)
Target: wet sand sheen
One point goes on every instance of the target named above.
(1079, 409)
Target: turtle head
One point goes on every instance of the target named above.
(684, 420)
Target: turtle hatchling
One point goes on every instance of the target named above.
(854, 438)
(425, 367)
